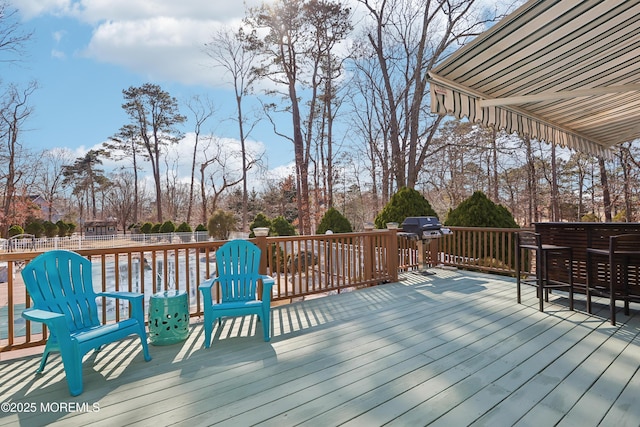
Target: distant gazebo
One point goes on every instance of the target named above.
(101, 228)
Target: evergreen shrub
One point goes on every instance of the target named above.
(333, 220)
(406, 202)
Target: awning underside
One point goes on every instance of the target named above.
(564, 72)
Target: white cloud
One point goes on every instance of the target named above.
(94, 11)
(55, 53)
(58, 35)
(160, 48)
(115, 10)
(280, 172)
(158, 39)
(31, 8)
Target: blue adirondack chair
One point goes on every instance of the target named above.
(237, 275)
(60, 285)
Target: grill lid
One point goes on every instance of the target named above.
(418, 224)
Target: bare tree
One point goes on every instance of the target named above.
(126, 144)
(14, 111)
(626, 162)
(87, 178)
(578, 168)
(202, 110)
(407, 39)
(121, 197)
(370, 124)
(12, 35)
(293, 60)
(155, 114)
(50, 178)
(177, 192)
(285, 47)
(532, 183)
(330, 24)
(223, 177)
(229, 51)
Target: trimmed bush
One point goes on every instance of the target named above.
(479, 211)
(200, 236)
(406, 202)
(282, 227)
(221, 224)
(14, 230)
(34, 227)
(167, 227)
(50, 229)
(333, 220)
(146, 228)
(63, 228)
(71, 228)
(184, 228)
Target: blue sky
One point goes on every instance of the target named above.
(84, 53)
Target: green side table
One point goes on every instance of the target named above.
(168, 317)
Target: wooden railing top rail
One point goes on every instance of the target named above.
(302, 265)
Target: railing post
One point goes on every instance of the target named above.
(261, 242)
(369, 258)
(392, 253)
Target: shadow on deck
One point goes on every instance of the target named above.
(452, 348)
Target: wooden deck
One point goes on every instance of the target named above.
(450, 349)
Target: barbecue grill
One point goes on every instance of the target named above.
(423, 229)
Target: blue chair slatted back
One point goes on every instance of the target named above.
(238, 263)
(60, 281)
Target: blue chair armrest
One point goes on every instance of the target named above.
(56, 322)
(129, 296)
(136, 302)
(42, 316)
(267, 280)
(267, 284)
(205, 288)
(207, 284)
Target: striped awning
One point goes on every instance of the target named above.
(560, 71)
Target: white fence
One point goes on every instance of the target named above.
(24, 243)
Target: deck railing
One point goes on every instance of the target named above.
(301, 266)
(27, 242)
(484, 249)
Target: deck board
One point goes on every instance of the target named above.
(447, 349)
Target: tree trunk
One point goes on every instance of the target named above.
(532, 187)
(203, 195)
(626, 185)
(302, 166)
(156, 176)
(243, 148)
(494, 152)
(555, 208)
(606, 195)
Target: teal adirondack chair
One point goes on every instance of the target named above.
(237, 275)
(60, 285)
